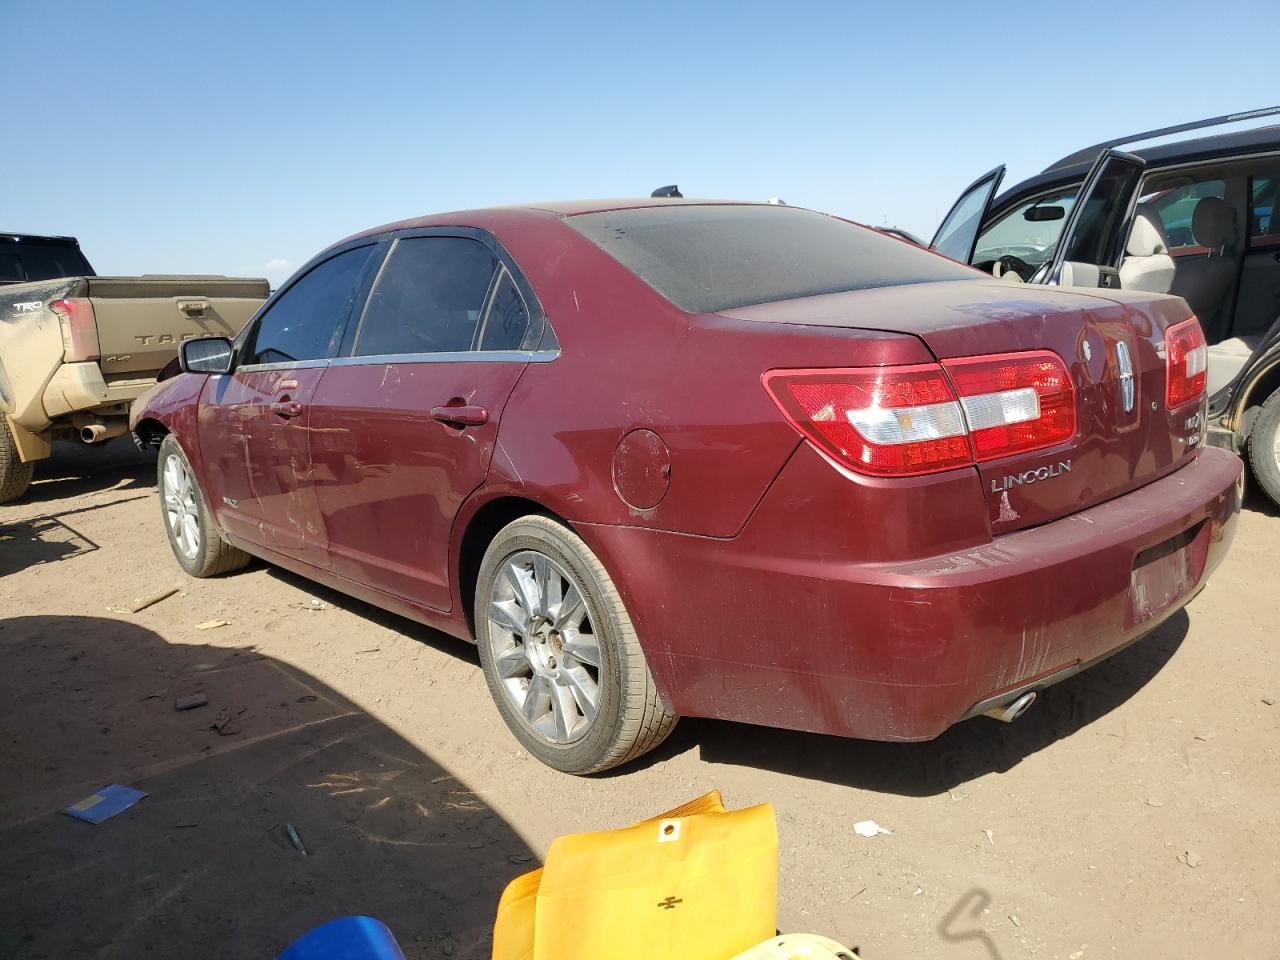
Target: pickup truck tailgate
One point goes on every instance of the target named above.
(141, 320)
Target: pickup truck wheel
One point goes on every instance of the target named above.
(559, 653)
(197, 545)
(1264, 447)
(15, 476)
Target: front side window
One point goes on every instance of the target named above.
(1029, 232)
(1097, 236)
(428, 298)
(306, 323)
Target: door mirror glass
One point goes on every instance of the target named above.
(1041, 214)
(205, 355)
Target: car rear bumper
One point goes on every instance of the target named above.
(780, 630)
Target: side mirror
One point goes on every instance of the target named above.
(1038, 214)
(205, 355)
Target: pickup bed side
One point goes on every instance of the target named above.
(76, 351)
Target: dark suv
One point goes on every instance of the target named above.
(1192, 218)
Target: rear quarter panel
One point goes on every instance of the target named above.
(629, 360)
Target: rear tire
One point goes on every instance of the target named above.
(1264, 448)
(197, 544)
(15, 476)
(559, 652)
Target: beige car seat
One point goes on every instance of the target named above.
(1147, 264)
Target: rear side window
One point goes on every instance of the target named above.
(705, 258)
(1264, 224)
(507, 321)
(41, 261)
(428, 298)
(306, 323)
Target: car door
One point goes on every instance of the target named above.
(1257, 306)
(1093, 238)
(404, 424)
(254, 422)
(958, 232)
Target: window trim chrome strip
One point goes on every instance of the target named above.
(282, 365)
(461, 356)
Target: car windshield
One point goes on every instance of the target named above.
(709, 257)
(1023, 234)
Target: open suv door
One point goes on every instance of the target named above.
(1089, 248)
(1093, 240)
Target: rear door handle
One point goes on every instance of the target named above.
(467, 416)
(287, 408)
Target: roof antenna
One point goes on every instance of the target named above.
(671, 190)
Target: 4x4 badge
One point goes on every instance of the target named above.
(1126, 376)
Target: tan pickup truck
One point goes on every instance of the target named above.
(76, 351)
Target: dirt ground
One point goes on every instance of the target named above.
(1134, 811)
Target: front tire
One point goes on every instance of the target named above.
(197, 544)
(15, 476)
(559, 652)
(1264, 447)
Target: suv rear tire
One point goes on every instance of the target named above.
(1264, 448)
(15, 476)
(559, 652)
(197, 544)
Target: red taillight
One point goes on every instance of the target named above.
(909, 420)
(79, 329)
(890, 421)
(1015, 402)
(1186, 363)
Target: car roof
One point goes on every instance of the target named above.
(1221, 146)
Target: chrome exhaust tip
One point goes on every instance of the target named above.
(1012, 710)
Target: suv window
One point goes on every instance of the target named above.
(428, 299)
(507, 321)
(1177, 206)
(1264, 225)
(306, 323)
(1018, 235)
(21, 262)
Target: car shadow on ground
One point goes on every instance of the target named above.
(454, 647)
(1258, 502)
(965, 752)
(76, 469)
(204, 864)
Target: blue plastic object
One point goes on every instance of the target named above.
(350, 938)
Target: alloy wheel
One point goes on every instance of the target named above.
(180, 508)
(544, 647)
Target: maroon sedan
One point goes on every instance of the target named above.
(666, 458)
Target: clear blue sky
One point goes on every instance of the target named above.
(236, 137)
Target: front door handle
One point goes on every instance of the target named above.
(464, 415)
(287, 409)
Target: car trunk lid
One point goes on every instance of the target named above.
(1124, 437)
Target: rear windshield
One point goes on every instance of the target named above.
(20, 262)
(710, 258)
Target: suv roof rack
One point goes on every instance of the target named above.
(1089, 153)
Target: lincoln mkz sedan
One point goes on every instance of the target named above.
(669, 457)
